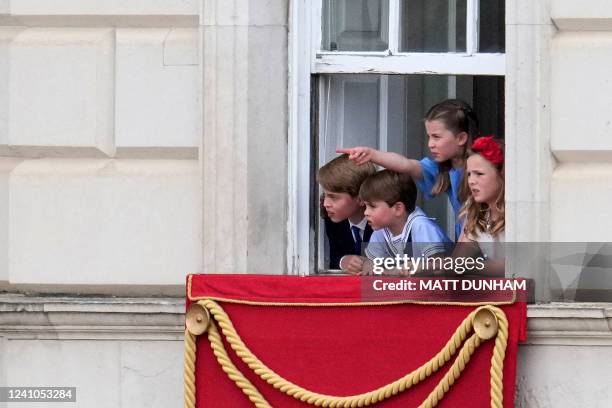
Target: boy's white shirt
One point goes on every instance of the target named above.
(428, 240)
(361, 225)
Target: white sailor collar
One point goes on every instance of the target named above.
(397, 243)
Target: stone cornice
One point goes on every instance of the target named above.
(163, 319)
(91, 318)
(570, 324)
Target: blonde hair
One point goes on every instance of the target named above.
(475, 214)
(457, 116)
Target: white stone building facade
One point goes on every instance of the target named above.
(144, 140)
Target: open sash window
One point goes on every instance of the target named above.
(366, 77)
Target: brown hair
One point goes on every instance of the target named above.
(390, 187)
(475, 214)
(457, 116)
(342, 175)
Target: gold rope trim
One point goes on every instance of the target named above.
(360, 400)
(356, 303)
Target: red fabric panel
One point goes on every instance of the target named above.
(342, 350)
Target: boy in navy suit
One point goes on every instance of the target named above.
(346, 227)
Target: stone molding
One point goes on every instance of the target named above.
(91, 318)
(570, 324)
(574, 324)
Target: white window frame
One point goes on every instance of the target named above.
(306, 59)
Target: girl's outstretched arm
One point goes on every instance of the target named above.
(392, 161)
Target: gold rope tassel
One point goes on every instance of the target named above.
(457, 340)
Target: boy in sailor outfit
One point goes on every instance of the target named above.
(400, 227)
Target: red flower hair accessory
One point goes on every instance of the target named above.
(490, 149)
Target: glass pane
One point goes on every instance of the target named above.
(355, 25)
(489, 107)
(492, 26)
(351, 112)
(433, 25)
(388, 110)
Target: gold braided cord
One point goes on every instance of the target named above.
(189, 369)
(222, 357)
(370, 397)
(453, 374)
(497, 361)
(230, 369)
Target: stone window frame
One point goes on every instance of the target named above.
(306, 60)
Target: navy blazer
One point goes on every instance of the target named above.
(341, 241)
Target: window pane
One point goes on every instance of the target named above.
(350, 116)
(386, 111)
(433, 25)
(492, 26)
(355, 25)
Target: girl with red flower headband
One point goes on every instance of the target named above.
(451, 125)
(483, 212)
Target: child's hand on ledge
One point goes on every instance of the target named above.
(352, 264)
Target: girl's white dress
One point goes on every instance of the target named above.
(491, 246)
